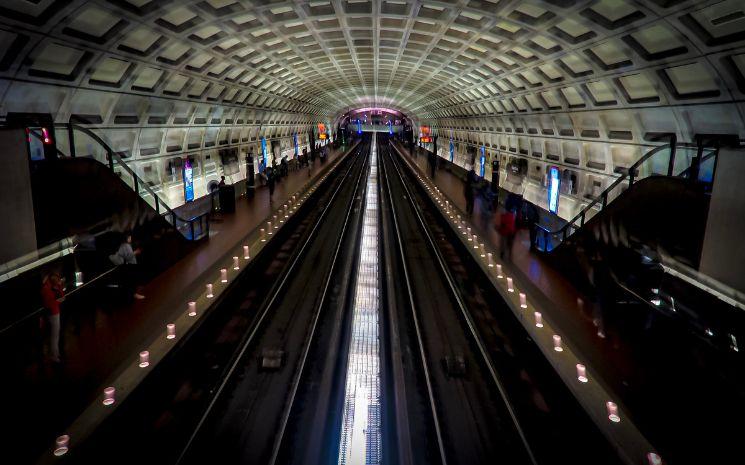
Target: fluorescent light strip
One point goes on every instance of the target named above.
(360, 432)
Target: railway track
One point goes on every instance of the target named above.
(165, 418)
(496, 396)
(470, 422)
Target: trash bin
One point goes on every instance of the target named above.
(227, 199)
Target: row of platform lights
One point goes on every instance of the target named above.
(611, 407)
(62, 443)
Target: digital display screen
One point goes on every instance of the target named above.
(262, 163)
(482, 160)
(188, 173)
(554, 182)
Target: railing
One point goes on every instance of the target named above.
(676, 160)
(192, 228)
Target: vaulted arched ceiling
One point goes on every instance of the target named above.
(433, 59)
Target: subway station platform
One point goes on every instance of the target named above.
(642, 355)
(104, 332)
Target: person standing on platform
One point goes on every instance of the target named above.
(507, 231)
(127, 257)
(270, 182)
(222, 181)
(468, 190)
(532, 218)
(52, 295)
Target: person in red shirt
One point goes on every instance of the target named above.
(507, 230)
(52, 295)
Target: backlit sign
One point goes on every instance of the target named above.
(294, 141)
(554, 182)
(452, 150)
(482, 161)
(262, 163)
(188, 175)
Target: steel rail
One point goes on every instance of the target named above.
(471, 326)
(263, 313)
(413, 306)
(317, 314)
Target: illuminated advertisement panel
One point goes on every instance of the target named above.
(321, 131)
(188, 174)
(425, 135)
(554, 182)
(390, 128)
(294, 141)
(262, 162)
(452, 150)
(359, 127)
(482, 162)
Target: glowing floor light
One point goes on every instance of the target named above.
(360, 442)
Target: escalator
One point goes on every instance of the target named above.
(88, 204)
(660, 202)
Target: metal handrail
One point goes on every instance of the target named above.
(602, 199)
(114, 156)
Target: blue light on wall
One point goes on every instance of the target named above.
(554, 182)
(390, 128)
(262, 164)
(294, 139)
(452, 150)
(359, 127)
(188, 174)
(482, 160)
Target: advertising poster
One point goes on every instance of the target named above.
(452, 150)
(482, 162)
(188, 173)
(294, 140)
(262, 162)
(554, 182)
